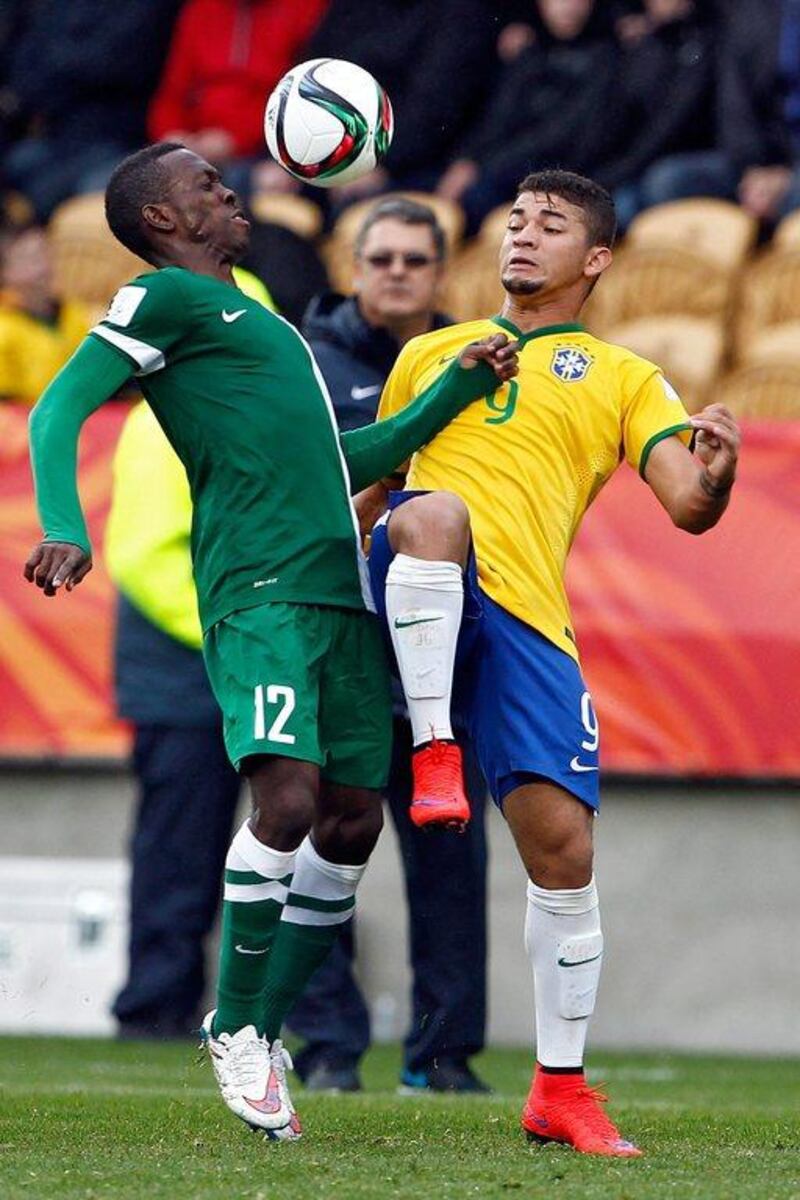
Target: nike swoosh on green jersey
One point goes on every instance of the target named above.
(399, 623)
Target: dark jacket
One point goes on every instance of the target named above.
(436, 61)
(355, 358)
(752, 125)
(667, 91)
(86, 68)
(159, 681)
(554, 105)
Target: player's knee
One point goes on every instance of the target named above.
(283, 818)
(350, 836)
(437, 523)
(562, 859)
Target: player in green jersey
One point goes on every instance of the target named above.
(292, 648)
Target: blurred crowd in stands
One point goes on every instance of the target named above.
(655, 98)
(658, 99)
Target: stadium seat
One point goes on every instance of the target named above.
(775, 344)
(449, 215)
(472, 286)
(689, 350)
(652, 281)
(787, 234)
(762, 391)
(90, 264)
(715, 230)
(769, 294)
(297, 213)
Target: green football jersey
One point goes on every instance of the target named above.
(240, 397)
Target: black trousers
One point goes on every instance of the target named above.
(445, 878)
(187, 799)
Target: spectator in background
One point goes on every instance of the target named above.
(555, 102)
(187, 789)
(38, 330)
(79, 77)
(399, 252)
(225, 58)
(437, 63)
(666, 91)
(757, 155)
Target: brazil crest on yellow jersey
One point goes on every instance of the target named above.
(530, 457)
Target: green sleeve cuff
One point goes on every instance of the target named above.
(652, 442)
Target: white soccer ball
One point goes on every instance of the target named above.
(328, 122)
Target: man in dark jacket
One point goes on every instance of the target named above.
(80, 75)
(399, 253)
(553, 103)
(666, 95)
(757, 156)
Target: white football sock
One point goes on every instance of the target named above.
(424, 602)
(564, 943)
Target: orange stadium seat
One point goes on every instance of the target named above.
(297, 213)
(90, 264)
(690, 351)
(715, 230)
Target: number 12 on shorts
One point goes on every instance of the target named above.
(267, 698)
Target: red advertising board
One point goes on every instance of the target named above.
(691, 646)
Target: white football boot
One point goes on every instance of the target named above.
(252, 1079)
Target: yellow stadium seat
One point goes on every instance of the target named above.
(689, 350)
(472, 286)
(90, 264)
(769, 294)
(651, 281)
(787, 234)
(764, 390)
(775, 344)
(449, 215)
(715, 230)
(297, 213)
(494, 226)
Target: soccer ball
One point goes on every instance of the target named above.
(328, 122)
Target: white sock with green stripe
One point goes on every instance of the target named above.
(257, 882)
(321, 899)
(564, 942)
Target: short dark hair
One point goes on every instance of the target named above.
(596, 203)
(408, 212)
(139, 179)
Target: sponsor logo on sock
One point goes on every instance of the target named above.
(577, 765)
(244, 950)
(399, 623)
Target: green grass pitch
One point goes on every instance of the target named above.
(85, 1120)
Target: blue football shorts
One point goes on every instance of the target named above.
(521, 700)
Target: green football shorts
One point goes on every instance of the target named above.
(305, 681)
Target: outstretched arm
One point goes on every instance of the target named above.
(93, 374)
(376, 450)
(696, 496)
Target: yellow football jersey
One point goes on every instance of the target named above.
(529, 458)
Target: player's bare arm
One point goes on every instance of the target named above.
(500, 353)
(696, 494)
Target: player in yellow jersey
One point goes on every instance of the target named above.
(468, 568)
